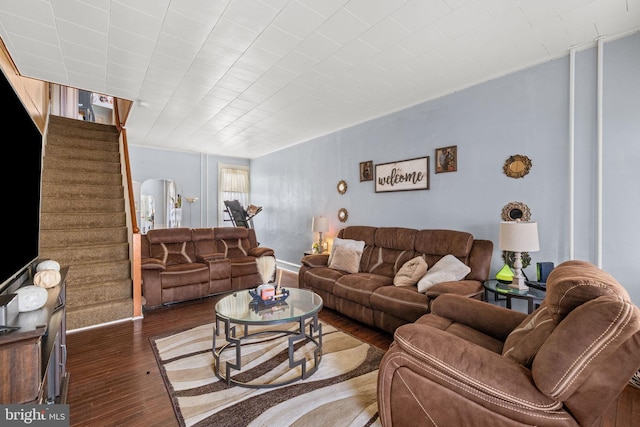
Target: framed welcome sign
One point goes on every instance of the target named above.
(405, 175)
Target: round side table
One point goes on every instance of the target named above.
(532, 295)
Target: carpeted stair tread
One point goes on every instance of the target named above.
(80, 274)
(53, 238)
(56, 163)
(82, 154)
(71, 128)
(85, 178)
(84, 220)
(67, 255)
(82, 191)
(96, 292)
(82, 205)
(99, 313)
(111, 144)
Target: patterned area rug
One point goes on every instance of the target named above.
(342, 392)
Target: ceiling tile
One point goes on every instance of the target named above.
(246, 77)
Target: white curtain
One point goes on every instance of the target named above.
(233, 184)
(64, 101)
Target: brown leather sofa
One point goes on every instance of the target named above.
(472, 363)
(180, 264)
(369, 296)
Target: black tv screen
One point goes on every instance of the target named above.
(21, 185)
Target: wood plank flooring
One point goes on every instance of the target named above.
(114, 378)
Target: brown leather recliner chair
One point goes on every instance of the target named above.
(475, 364)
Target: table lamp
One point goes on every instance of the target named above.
(518, 237)
(320, 224)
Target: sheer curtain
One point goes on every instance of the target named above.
(233, 184)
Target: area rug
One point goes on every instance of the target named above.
(342, 392)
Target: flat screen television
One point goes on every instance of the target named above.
(21, 188)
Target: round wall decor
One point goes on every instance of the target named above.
(517, 166)
(343, 215)
(342, 187)
(516, 211)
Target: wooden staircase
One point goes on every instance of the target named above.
(83, 221)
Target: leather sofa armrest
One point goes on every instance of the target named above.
(210, 257)
(316, 260)
(493, 320)
(152, 264)
(429, 355)
(467, 288)
(260, 251)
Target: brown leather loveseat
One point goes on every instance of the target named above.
(180, 264)
(369, 294)
(476, 364)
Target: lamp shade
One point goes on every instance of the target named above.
(320, 224)
(519, 236)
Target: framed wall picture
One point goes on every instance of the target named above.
(405, 175)
(447, 159)
(366, 171)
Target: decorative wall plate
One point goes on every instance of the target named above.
(515, 211)
(343, 215)
(517, 166)
(342, 187)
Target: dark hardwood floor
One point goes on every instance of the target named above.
(114, 378)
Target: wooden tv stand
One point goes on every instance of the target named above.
(33, 358)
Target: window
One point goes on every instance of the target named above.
(233, 184)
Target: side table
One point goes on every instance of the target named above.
(533, 296)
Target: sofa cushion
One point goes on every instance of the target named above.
(358, 287)
(243, 266)
(322, 278)
(523, 342)
(184, 275)
(172, 253)
(402, 302)
(345, 259)
(448, 269)
(410, 272)
(392, 248)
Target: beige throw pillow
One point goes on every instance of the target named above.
(356, 245)
(345, 259)
(411, 272)
(448, 269)
(47, 278)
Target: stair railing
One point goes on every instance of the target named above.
(136, 248)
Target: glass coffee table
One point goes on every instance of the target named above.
(239, 311)
(533, 296)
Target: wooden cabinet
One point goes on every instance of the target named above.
(33, 358)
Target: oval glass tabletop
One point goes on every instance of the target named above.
(240, 307)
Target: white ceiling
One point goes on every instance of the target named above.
(244, 78)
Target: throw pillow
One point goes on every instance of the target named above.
(48, 264)
(411, 272)
(345, 259)
(356, 245)
(47, 278)
(449, 268)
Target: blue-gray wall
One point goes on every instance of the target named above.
(522, 113)
(195, 175)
